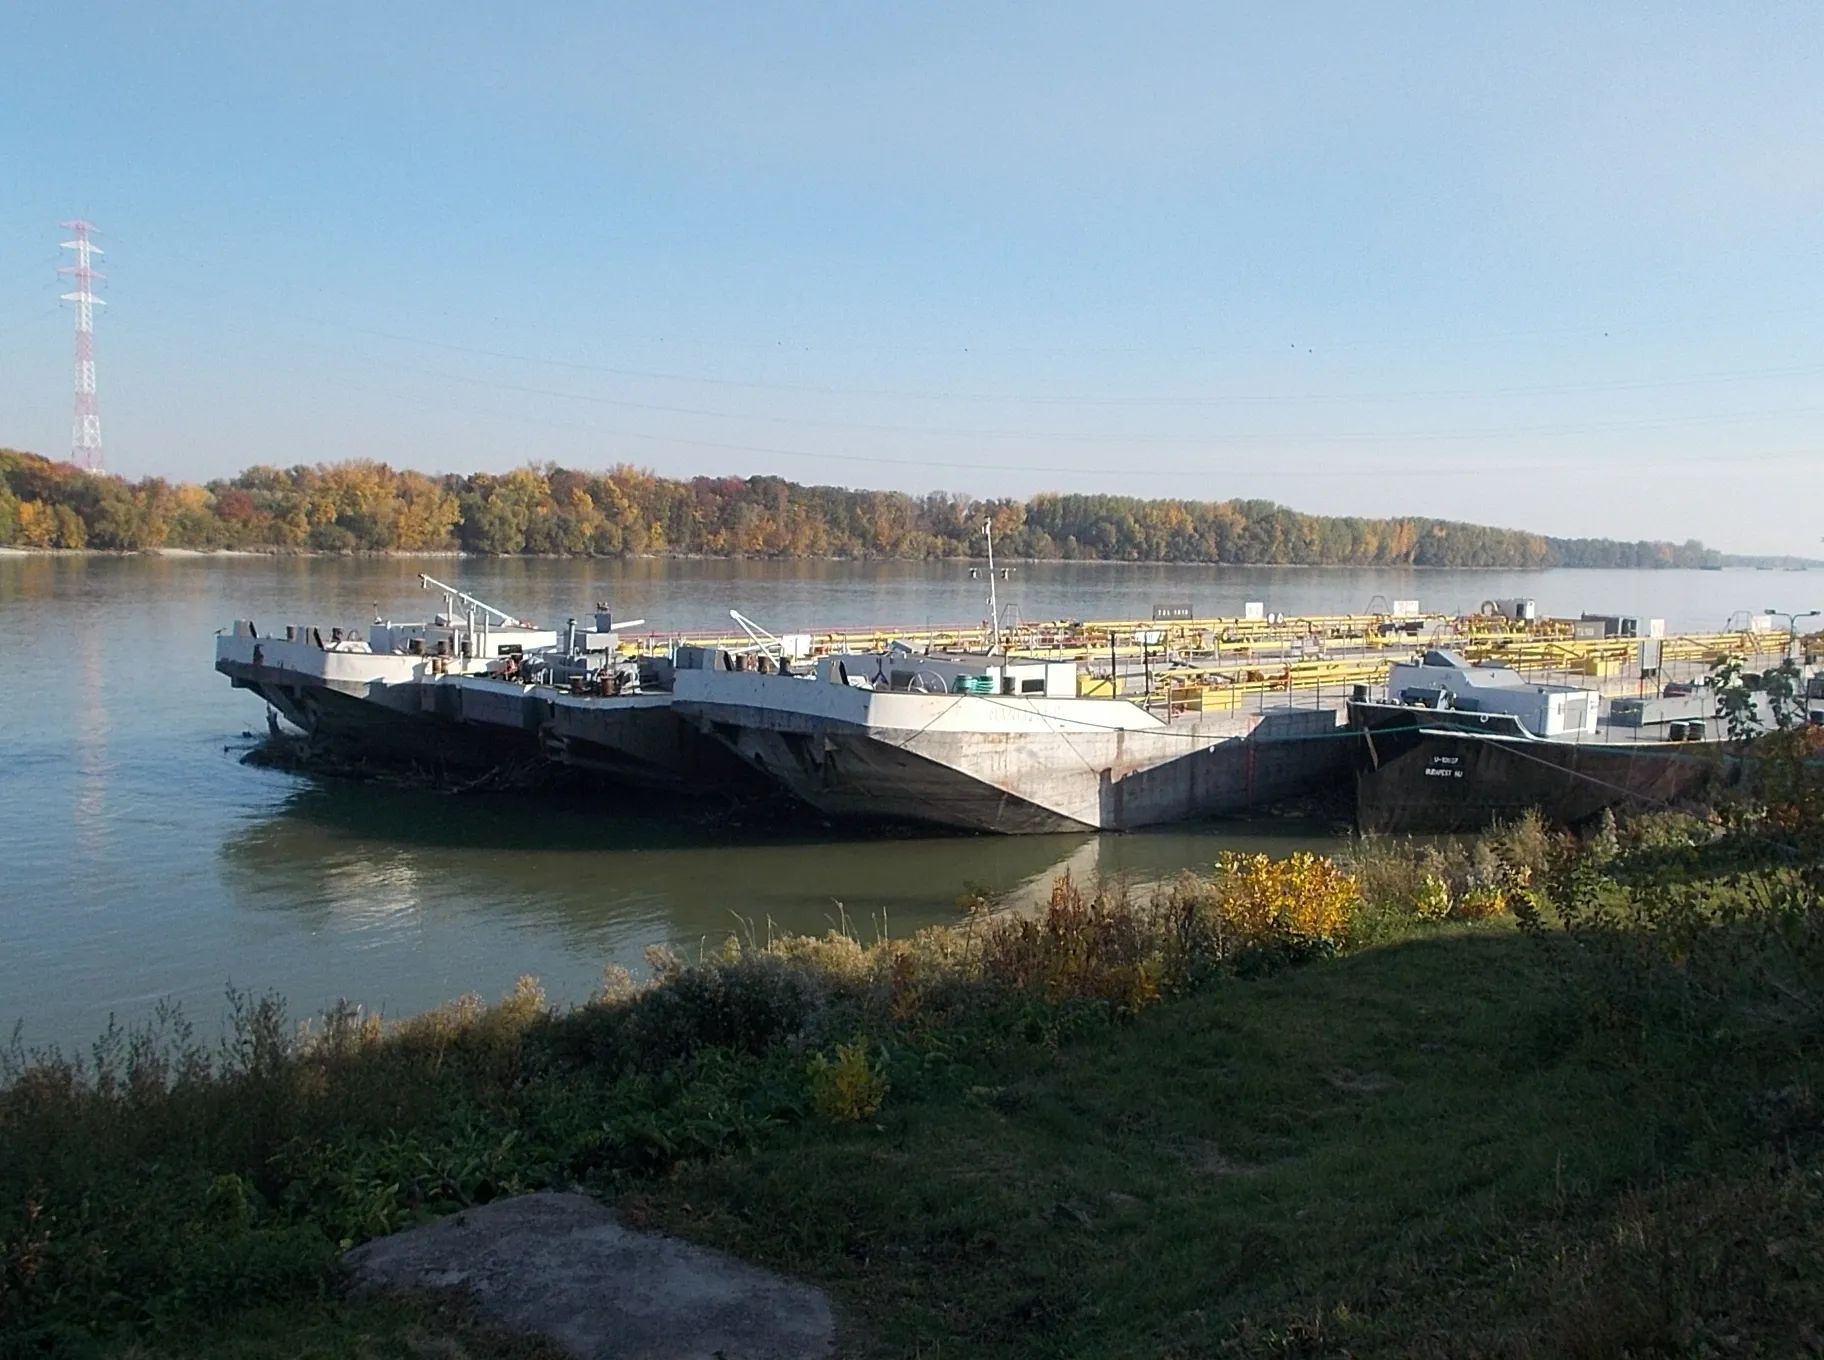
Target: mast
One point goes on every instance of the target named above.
(994, 608)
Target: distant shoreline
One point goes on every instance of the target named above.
(365, 508)
(448, 554)
(362, 507)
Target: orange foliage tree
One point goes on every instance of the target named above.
(367, 506)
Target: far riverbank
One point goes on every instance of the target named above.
(459, 554)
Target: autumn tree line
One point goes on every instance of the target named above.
(370, 507)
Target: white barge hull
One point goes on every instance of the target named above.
(1012, 764)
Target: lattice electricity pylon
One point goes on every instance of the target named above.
(85, 427)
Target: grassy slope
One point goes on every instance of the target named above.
(1408, 1151)
(1366, 1154)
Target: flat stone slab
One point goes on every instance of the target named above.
(560, 1265)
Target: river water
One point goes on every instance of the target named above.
(141, 861)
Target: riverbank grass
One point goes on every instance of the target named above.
(1407, 1151)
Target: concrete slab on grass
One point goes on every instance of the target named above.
(561, 1266)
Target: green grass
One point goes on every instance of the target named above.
(425, 1326)
(1364, 1156)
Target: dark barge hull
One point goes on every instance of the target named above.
(1423, 771)
(386, 723)
(446, 727)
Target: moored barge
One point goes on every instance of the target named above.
(1458, 748)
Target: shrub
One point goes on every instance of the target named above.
(1097, 948)
(1523, 848)
(1433, 901)
(1706, 948)
(1303, 900)
(1480, 904)
(745, 1005)
(1398, 880)
(849, 1087)
(1462, 880)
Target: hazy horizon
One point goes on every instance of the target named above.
(1545, 270)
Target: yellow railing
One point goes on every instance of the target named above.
(1229, 687)
(1482, 636)
(1067, 637)
(1225, 663)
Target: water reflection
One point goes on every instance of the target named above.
(92, 721)
(377, 863)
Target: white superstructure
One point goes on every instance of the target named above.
(1442, 679)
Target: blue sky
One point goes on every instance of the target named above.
(1532, 265)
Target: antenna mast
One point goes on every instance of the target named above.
(85, 426)
(994, 608)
